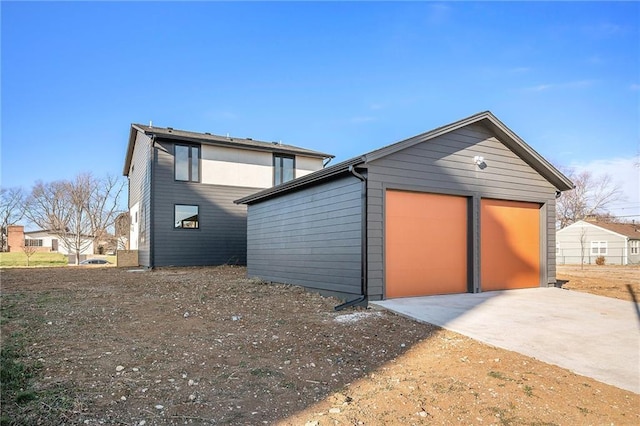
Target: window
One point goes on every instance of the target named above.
(635, 247)
(283, 168)
(598, 247)
(32, 243)
(186, 217)
(187, 163)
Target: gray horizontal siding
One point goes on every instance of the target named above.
(221, 238)
(310, 237)
(140, 191)
(550, 248)
(445, 165)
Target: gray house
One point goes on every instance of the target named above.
(181, 190)
(583, 242)
(467, 207)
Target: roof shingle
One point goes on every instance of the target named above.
(631, 230)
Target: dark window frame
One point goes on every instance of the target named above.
(278, 158)
(190, 158)
(175, 218)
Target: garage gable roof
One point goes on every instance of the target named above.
(505, 135)
(486, 118)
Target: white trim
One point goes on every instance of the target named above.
(626, 252)
(598, 246)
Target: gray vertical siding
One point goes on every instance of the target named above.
(445, 165)
(222, 236)
(311, 237)
(140, 189)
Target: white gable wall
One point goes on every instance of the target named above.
(574, 245)
(246, 168)
(134, 230)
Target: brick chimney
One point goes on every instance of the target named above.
(15, 238)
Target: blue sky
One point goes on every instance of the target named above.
(338, 77)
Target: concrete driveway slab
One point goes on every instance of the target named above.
(590, 335)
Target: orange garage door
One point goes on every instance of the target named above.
(510, 244)
(425, 244)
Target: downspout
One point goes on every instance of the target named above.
(362, 300)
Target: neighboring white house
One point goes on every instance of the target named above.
(584, 241)
(45, 241)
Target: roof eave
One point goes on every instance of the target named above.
(277, 148)
(132, 141)
(528, 154)
(236, 143)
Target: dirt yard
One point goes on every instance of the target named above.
(621, 282)
(209, 346)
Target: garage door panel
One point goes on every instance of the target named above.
(425, 244)
(510, 245)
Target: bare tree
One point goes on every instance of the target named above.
(583, 242)
(122, 229)
(103, 206)
(590, 197)
(11, 211)
(29, 250)
(59, 208)
(76, 211)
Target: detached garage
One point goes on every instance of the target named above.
(467, 207)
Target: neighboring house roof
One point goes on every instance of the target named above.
(486, 118)
(49, 232)
(630, 230)
(211, 139)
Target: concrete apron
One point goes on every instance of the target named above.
(594, 336)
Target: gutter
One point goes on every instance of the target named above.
(363, 299)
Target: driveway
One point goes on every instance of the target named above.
(590, 335)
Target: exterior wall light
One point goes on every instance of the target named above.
(479, 161)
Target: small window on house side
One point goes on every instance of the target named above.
(283, 168)
(187, 163)
(635, 247)
(598, 248)
(186, 217)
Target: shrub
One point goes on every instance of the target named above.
(600, 260)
